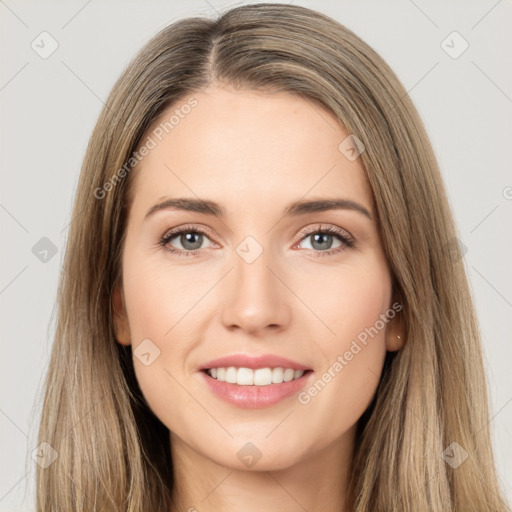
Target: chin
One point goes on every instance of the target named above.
(257, 456)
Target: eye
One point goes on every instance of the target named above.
(190, 238)
(322, 239)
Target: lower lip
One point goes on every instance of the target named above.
(255, 397)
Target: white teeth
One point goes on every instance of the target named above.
(245, 377)
(262, 377)
(250, 377)
(288, 374)
(277, 375)
(231, 375)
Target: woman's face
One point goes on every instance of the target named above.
(254, 279)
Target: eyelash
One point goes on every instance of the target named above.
(347, 240)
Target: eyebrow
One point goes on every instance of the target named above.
(296, 208)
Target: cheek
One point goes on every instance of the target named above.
(352, 303)
(158, 297)
(162, 306)
(346, 300)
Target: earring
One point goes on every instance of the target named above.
(398, 337)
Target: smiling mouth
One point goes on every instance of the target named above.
(257, 377)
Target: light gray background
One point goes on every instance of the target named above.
(49, 107)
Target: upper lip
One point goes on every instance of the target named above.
(254, 362)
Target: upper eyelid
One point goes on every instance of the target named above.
(179, 229)
(331, 228)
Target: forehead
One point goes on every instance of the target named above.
(247, 149)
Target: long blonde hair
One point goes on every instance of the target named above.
(113, 452)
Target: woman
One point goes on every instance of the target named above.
(262, 308)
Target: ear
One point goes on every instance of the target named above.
(121, 325)
(395, 330)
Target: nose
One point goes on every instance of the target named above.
(256, 300)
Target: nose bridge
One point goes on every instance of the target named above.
(255, 299)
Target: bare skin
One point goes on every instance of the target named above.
(254, 153)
